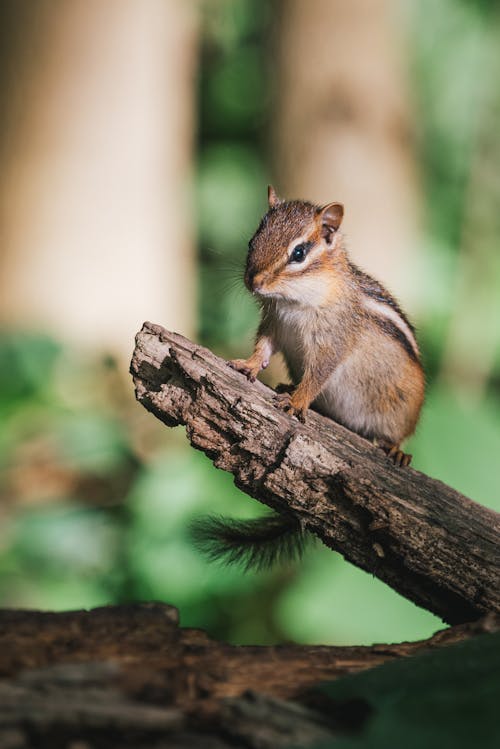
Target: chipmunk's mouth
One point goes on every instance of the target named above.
(258, 289)
(269, 294)
(262, 287)
(257, 282)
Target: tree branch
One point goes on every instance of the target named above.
(130, 675)
(426, 540)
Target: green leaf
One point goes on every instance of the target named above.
(448, 699)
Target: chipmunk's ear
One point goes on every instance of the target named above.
(330, 216)
(272, 197)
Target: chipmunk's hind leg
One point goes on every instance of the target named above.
(393, 452)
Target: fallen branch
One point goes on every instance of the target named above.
(148, 637)
(131, 671)
(426, 540)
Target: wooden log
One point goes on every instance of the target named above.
(426, 540)
(129, 675)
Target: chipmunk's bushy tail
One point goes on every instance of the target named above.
(254, 544)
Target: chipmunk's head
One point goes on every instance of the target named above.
(292, 249)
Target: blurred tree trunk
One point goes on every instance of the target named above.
(473, 337)
(342, 126)
(96, 146)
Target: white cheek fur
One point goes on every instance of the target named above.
(311, 291)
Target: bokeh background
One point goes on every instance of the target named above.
(137, 139)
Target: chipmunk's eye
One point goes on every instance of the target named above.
(299, 253)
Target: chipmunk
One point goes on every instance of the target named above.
(349, 348)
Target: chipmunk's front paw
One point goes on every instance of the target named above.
(285, 402)
(246, 367)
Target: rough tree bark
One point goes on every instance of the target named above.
(430, 543)
(130, 676)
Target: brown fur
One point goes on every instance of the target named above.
(349, 348)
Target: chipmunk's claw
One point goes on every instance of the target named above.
(241, 365)
(284, 401)
(397, 456)
(299, 413)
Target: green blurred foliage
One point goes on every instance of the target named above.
(443, 700)
(231, 195)
(91, 517)
(458, 441)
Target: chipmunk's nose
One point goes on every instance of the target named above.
(249, 278)
(253, 280)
